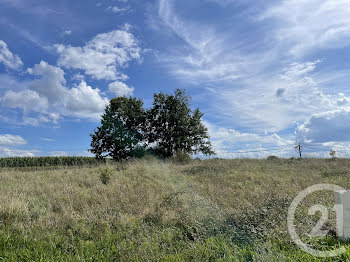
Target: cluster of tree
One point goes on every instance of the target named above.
(169, 126)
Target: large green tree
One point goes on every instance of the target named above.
(121, 133)
(173, 126)
(169, 126)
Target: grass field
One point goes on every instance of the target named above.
(149, 210)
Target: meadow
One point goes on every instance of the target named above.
(153, 210)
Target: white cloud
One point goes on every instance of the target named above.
(47, 139)
(230, 143)
(78, 77)
(275, 101)
(85, 101)
(59, 153)
(67, 32)
(28, 100)
(7, 142)
(8, 58)
(305, 25)
(117, 9)
(50, 118)
(49, 94)
(206, 54)
(7, 81)
(11, 140)
(259, 82)
(104, 56)
(51, 83)
(54, 117)
(82, 101)
(242, 73)
(10, 152)
(329, 126)
(32, 121)
(120, 89)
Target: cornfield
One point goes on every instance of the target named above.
(48, 161)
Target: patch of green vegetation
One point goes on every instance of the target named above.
(48, 161)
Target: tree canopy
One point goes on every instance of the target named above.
(121, 133)
(128, 130)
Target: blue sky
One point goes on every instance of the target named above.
(267, 74)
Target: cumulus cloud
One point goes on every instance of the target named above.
(50, 118)
(51, 83)
(85, 101)
(104, 56)
(329, 126)
(50, 95)
(120, 89)
(11, 140)
(8, 58)
(7, 142)
(82, 100)
(28, 100)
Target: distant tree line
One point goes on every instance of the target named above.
(169, 126)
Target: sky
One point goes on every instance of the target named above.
(267, 74)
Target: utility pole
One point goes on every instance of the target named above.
(299, 149)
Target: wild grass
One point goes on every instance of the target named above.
(151, 210)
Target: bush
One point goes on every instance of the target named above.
(181, 157)
(150, 157)
(105, 175)
(271, 158)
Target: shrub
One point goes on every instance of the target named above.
(105, 175)
(332, 153)
(150, 157)
(271, 158)
(181, 157)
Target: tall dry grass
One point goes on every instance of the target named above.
(218, 209)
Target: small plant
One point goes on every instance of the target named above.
(105, 175)
(181, 157)
(332, 153)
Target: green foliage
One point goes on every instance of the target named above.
(175, 127)
(127, 130)
(181, 157)
(105, 175)
(120, 133)
(48, 161)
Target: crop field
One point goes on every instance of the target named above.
(152, 210)
(47, 161)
